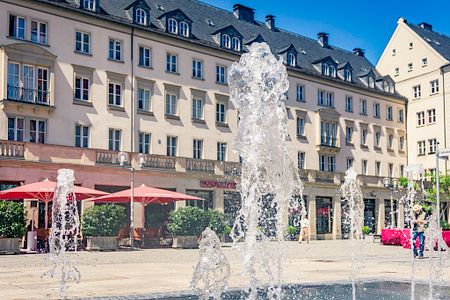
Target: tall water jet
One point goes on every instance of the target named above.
(269, 179)
(211, 274)
(64, 231)
(353, 210)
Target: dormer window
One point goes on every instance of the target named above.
(172, 26)
(236, 44)
(226, 41)
(371, 82)
(184, 29)
(141, 17)
(291, 59)
(89, 4)
(328, 70)
(348, 75)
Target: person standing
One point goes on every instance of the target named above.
(419, 222)
(304, 230)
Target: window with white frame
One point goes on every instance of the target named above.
(37, 131)
(300, 126)
(325, 98)
(171, 103)
(115, 49)
(402, 170)
(144, 142)
(172, 26)
(83, 42)
(390, 170)
(82, 87)
(377, 137)
(349, 134)
(171, 63)
(291, 59)
(396, 71)
(349, 103)
(221, 112)
(141, 17)
(226, 41)
(16, 129)
(28, 83)
(432, 145)
(401, 143)
(364, 137)
(300, 160)
(221, 74)
(389, 113)
(221, 151)
(115, 136)
(39, 32)
(420, 118)
(197, 68)
(431, 116)
(300, 93)
(115, 94)
(371, 82)
(145, 57)
(410, 67)
(364, 169)
(328, 70)
(81, 136)
(434, 86)
(144, 99)
(376, 110)
(184, 29)
(236, 44)
(363, 107)
(421, 148)
(88, 4)
(172, 146)
(17, 27)
(348, 75)
(424, 62)
(390, 141)
(197, 108)
(327, 163)
(197, 149)
(350, 162)
(401, 115)
(328, 133)
(416, 90)
(378, 168)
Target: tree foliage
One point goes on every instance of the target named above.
(12, 219)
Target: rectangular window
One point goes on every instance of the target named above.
(350, 161)
(431, 116)
(144, 99)
(37, 132)
(221, 151)
(42, 85)
(17, 27)
(197, 69)
(348, 103)
(300, 126)
(221, 112)
(16, 127)
(410, 67)
(300, 93)
(328, 134)
(171, 104)
(115, 49)
(221, 74)
(396, 71)
(325, 98)
(389, 113)
(144, 142)
(424, 62)
(434, 87)
(172, 63)
(416, 92)
(377, 137)
(376, 110)
(114, 139)
(363, 107)
(171, 146)
(82, 86)
(81, 136)
(29, 84)
(364, 137)
(420, 118)
(197, 149)
(145, 57)
(421, 148)
(197, 109)
(82, 42)
(364, 167)
(39, 32)
(401, 143)
(378, 168)
(115, 94)
(327, 163)
(390, 142)
(349, 134)
(432, 145)
(301, 160)
(401, 115)
(402, 170)
(390, 170)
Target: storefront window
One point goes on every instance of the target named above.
(324, 216)
(388, 207)
(206, 203)
(232, 205)
(369, 214)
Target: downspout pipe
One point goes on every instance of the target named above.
(445, 109)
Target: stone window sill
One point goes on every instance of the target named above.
(82, 102)
(172, 117)
(115, 107)
(145, 112)
(116, 60)
(82, 53)
(222, 124)
(199, 121)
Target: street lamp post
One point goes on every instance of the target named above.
(391, 185)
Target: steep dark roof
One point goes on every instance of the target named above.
(309, 50)
(438, 41)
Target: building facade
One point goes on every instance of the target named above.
(81, 81)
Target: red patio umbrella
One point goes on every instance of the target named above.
(43, 191)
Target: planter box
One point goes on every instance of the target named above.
(101, 243)
(369, 238)
(9, 245)
(185, 242)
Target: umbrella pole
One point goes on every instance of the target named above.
(143, 214)
(46, 215)
(132, 211)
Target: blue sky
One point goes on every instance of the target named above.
(350, 23)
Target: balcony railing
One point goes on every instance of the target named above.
(28, 95)
(232, 168)
(323, 176)
(200, 165)
(159, 162)
(10, 149)
(328, 141)
(107, 157)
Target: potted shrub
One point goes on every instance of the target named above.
(227, 234)
(12, 225)
(101, 225)
(366, 231)
(292, 233)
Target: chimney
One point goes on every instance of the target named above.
(358, 52)
(270, 22)
(426, 26)
(322, 38)
(244, 13)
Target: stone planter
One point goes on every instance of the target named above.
(189, 242)
(368, 238)
(9, 245)
(101, 243)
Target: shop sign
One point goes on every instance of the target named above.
(218, 184)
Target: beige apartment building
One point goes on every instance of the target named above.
(82, 80)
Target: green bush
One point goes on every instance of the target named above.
(292, 230)
(445, 225)
(103, 220)
(191, 221)
(12, 219)
(227, 230)
(366, 230)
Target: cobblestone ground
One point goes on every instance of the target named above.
(167, 270)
